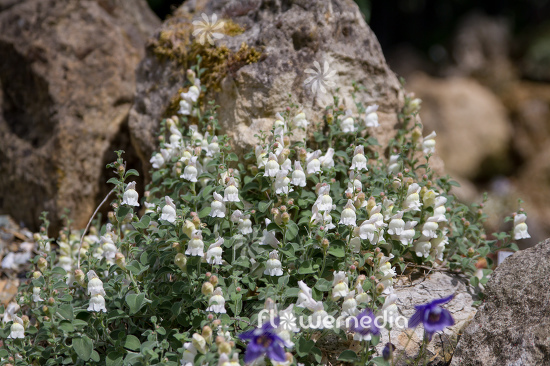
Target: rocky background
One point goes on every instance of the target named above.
(80, 79)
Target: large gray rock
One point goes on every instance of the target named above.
(421, 291)
(512, 327)
(290, 35)
(67, 82)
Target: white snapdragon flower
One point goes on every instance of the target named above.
(324, 201)
(300, 120)
(428, 144)
(323, 218)
(17, 330)
(348, 216)
(286, 166)
(389, 311)
(245, 225)
(9, 313)
(97, 303)
(339, 285)
(192, 94)
(319, 315)
(359, 161)
(412, 201)
(214, 252)
(195, 247)
(109, 248)
(282, 183)
(385, 274)
(231, 193)
(272, 166)
(347, 125)
(195, 134)
(157, 161)
(217, 302)
(393, 164)
(189, 354)
(305, 296)
(327, 160)
(429, 228)
(261, 156)
(169, 210)
(185, 108)
(355, 241)
(438, 247)
(422, 247)
(368, 231)
(407, 235)
(217, 206)
(273, 265)
(371, 117)
(362, 297)
(520, 227)
(130, 196)
(199, 343)
(268, 237)
(397, 224)
(313, 162)
(440, 209)
(36, 294)
(298, 175)
(354, 184)
(349, 306)
(191, 172)
(95, 285)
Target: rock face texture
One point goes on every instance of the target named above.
(288, 36)
(512, 327)
(67, 81)
(422, 291)
(473, 130)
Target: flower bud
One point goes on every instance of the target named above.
(369, 261)
(197, 222)
(36, 275)
(325, 243)
(111, 217)
(218, 340)
(214, 280)
(120, 260)
(224, 347)
(380, 288)
(207, 289)
(210, 317)
(285, 217)
(416, 134)
(80, 277)
(42, 264)
(181, 261)
(51, 301)
(471, 252)
(207, 333)
(26, 321)
(330, 118)
(217, 323)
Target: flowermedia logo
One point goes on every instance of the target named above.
(290, 322)
(320, 78)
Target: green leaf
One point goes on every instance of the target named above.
(135, 302)
(337, 249)
(131, 172)
(143, 223)
(306, 268)
(291, 230)
(114, 359)
(59, 271)
(66, 311)
(204, 212)
(66, 326)
(122, 212)
(323, 285)
(303, 347)
(132, 343)
(474, 281)
(263, 206)
(83, 347)
(348, 356)
(232, 157)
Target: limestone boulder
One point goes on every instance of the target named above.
(67, 82)
(511, 327)
(473, 130)
(266, 47)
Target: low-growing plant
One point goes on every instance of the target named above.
(228, 252)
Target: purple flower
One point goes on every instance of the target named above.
(264, 341)
(388, 350)
(432, 316)
(364, 325)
